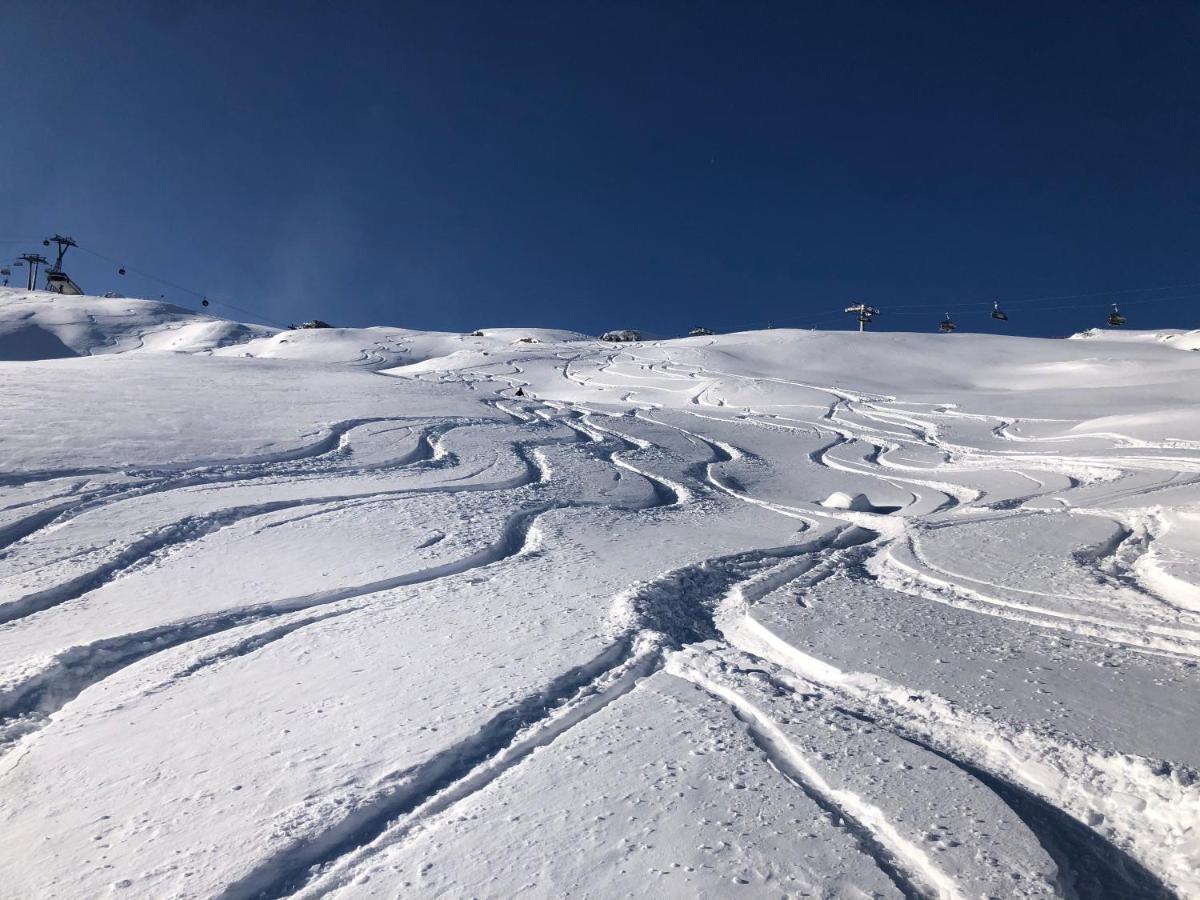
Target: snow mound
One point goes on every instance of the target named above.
(538, 335)
(854, 503)
(39, 325)
(383, 348)
(198, 337)
(1174, 338)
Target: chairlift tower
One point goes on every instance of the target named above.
(57, 280)
(34, 260)
(864, 313)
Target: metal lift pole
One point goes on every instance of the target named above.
(34, 260)
(865, 314)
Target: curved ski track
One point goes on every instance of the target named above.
(672, 622)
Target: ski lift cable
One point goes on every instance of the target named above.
(1026, 301)
(186, 290)
(1147, 290)
(1144, 301)
(892, 309)
(913, 310)
(903, 315)
(903, 312)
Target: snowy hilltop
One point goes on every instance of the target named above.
(371, 612)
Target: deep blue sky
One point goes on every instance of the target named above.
(596, 165)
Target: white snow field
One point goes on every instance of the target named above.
(376, 612)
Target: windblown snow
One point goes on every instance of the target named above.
(380, 612)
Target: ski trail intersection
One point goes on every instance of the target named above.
(767, 614)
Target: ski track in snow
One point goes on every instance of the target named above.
(696, 622)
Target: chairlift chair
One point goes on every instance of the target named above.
(997, 312)
(1115, 319)
(947, 325)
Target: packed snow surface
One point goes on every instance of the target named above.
(1174, 338)
(380, 612)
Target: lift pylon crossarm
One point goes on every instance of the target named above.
(64, 243)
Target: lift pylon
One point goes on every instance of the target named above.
(865, 314)
(34, 260)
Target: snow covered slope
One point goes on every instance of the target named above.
(379, 613)
(40, 325)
